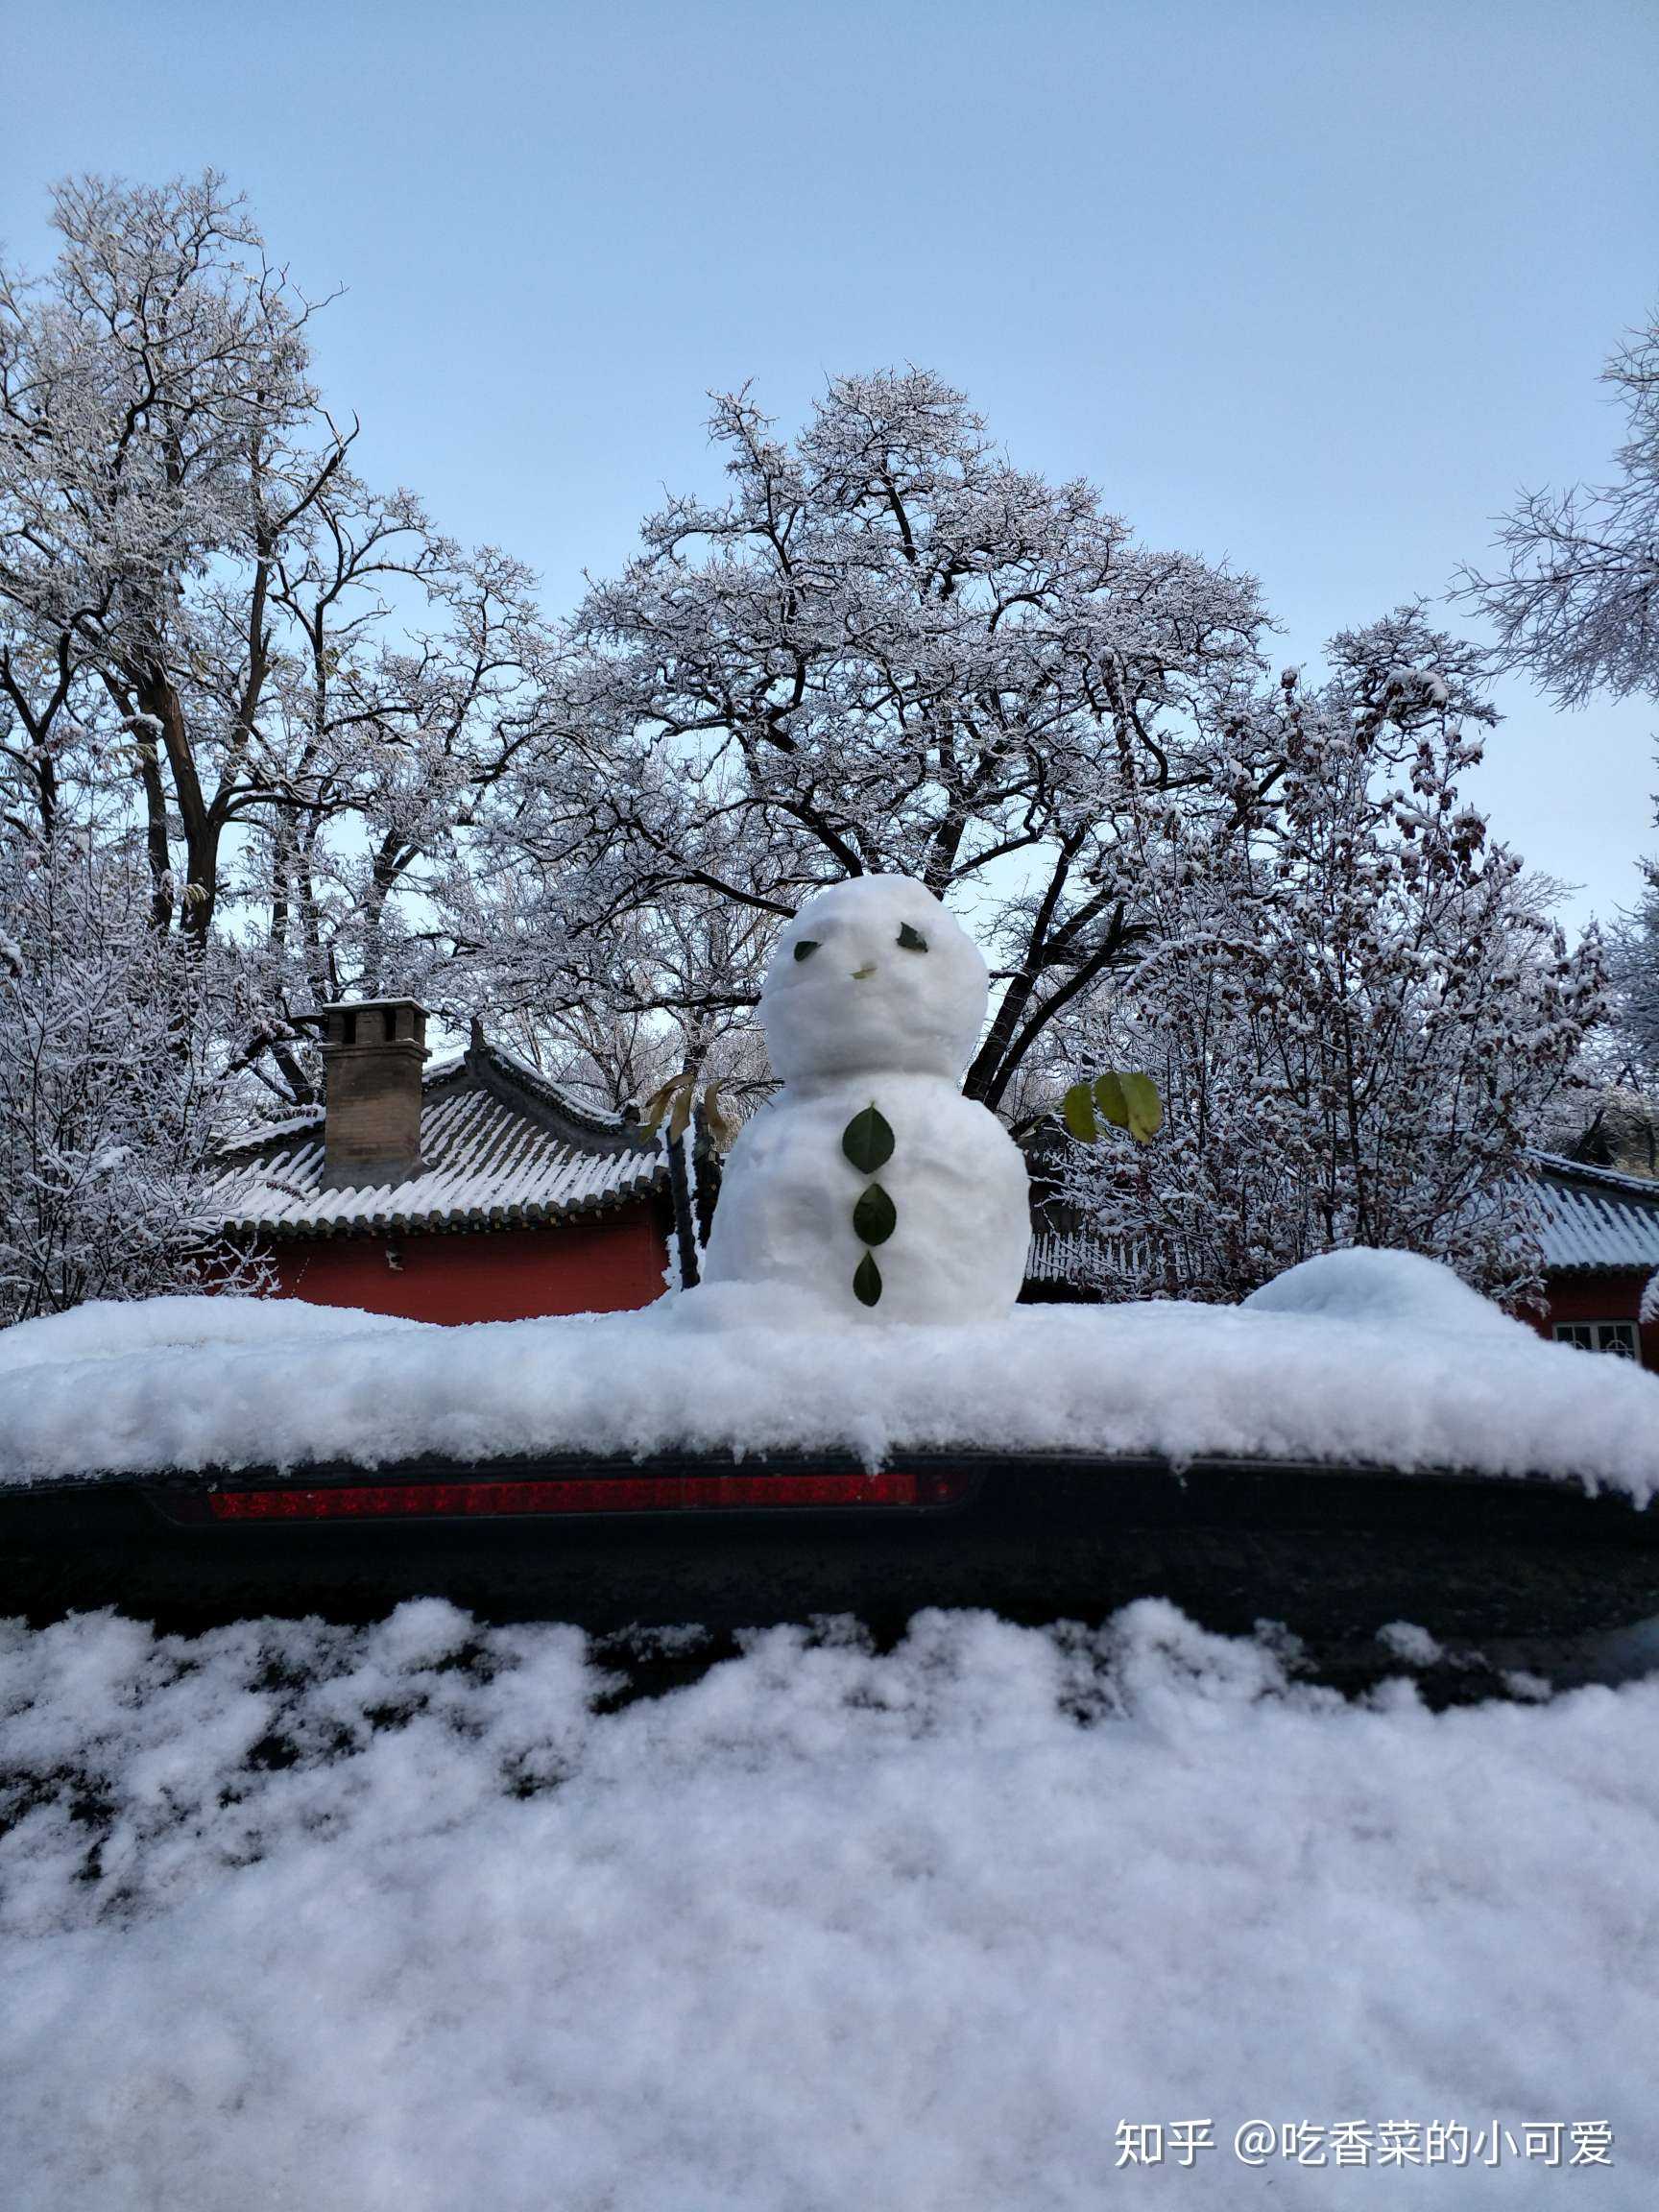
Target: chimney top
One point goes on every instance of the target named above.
(372, 1052)
(368, 1021)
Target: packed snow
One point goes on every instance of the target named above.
(406, 1918)
(130, 1329)
(1363, 1356)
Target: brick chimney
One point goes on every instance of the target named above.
(373, 1054)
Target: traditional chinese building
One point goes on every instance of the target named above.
(470, 1190)
(1601, 1252)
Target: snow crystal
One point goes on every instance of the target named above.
(405, 1919)
(1391, 1363)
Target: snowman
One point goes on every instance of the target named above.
(868, 1187)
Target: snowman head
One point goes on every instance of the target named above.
(872, 975)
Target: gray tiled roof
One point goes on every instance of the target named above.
(1593, 1219)
(501, 1146)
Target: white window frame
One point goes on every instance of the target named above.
(1621, 1339)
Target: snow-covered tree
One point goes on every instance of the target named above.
(669, 990)
(1356, 1013)
(887, 649)
(1577, 607)
(1576, 602)
(1632, 1051)
(112, 1084)
(302, 683)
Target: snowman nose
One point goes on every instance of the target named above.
(862, 975)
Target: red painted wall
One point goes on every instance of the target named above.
(600, 1266)
(1610, 1297)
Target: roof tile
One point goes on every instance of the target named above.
(1594, 1219)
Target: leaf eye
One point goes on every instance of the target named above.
(807, 947)
(912, 940)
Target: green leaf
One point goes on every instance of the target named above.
(1078, 1109)
(1145, 1106)
(874, 1217)
(867, 1141)
(1108, 1090)
(867, 1282)
(804, 947)
(912, 940)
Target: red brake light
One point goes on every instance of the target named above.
(587, 1494)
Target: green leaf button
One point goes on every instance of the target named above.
(868, 1143)
(874, 1217)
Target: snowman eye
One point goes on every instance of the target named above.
(912, 940)
(807, 947)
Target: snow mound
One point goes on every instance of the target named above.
(1392, 1288)
(403, 1918)
(217, 1383)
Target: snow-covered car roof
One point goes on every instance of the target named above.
(1356, 1358)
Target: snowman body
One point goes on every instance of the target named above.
(868, 1187)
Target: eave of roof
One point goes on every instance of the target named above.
(371, 1221)
(1555, 1166)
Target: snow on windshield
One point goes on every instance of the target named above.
(402, 1919)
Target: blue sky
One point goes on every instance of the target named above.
(1311, 285)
